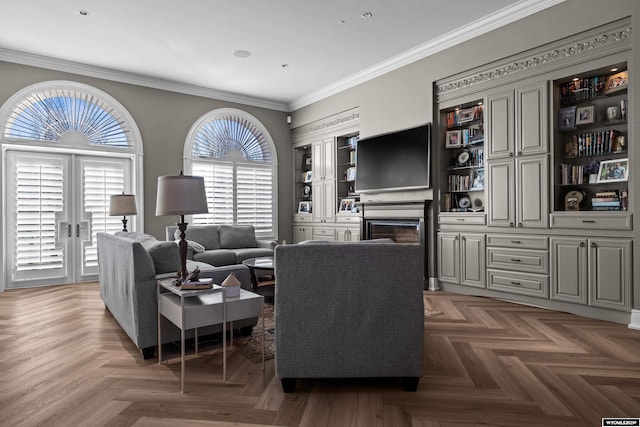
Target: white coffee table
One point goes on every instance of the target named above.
(194, 309)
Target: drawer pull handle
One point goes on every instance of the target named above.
(516, 260)
(459, 219)
(516, 283)
(517, 242)
(588, 221)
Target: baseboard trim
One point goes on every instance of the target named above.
(433, 284)
(635, 320)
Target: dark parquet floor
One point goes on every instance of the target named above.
(64, 361)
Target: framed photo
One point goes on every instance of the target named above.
(304, 207)
(616, 82)
(467, 115)
(584, 115)
(346, 205)
(613, 170)
(350, 174)
(567, 118)
(478, 179)
(306, 176)
(453, 139)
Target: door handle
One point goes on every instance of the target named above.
(77, 230)
(69, 230)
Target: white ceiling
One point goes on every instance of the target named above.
(300, 50)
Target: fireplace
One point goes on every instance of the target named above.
(398, 230)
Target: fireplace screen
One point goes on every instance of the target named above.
(400, 231)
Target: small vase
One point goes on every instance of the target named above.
(593, 178)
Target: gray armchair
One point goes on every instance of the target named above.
(345, 310)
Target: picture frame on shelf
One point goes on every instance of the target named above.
(567, 118)
(453, 139)
(304, 207)
(616, 82)
(467, 115)
(572, 200)
(478, 179)
(306, 176)
(585, 115)
(346, 205)
(615, 170)
(350, 174)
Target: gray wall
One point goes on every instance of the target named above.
(164, 119)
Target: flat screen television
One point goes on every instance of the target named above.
(394, 161)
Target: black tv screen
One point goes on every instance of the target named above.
(394, 161)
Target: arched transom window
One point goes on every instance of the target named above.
(67, 115)
(234, 153)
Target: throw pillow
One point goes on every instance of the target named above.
(205, 235)
(197, 247)
(237, 236)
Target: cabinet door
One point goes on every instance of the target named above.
(347, 234)
(569, 269)
(531, 120)
(472, 260)
(500, 132)
(501, 193)
(532, 203)
(610, 273)
(448, 257)
(301, 233)
(329, 158)
(329, 202)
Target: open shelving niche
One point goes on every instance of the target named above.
(347, 151)
(303, 162)
(585, 137)
(463, 142)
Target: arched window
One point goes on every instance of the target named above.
(235, 154)
(68, 147)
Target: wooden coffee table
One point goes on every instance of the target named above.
(263, 279)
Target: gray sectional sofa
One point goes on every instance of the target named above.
(129, 266)
(349, 310)
(219, 245)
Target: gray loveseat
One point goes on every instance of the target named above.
(129, 266)
(222, 244)
(349, 310)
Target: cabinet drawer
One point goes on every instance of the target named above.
(353, 218)
(518, 241)
(518, 259)
(304, 218)
(592, 221)
(518, 283)
(462, 218)
(324, 233)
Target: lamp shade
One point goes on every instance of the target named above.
(122, 204)
(181, 195)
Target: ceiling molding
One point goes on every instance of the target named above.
(134, 79)
(489, 23)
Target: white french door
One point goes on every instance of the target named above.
(56, 203)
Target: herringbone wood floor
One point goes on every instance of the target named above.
(64, 361)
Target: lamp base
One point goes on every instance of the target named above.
(124, 224)
(182, 226)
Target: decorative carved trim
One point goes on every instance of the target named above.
(327, 124)
(582, 45)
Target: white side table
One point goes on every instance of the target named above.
(198, 308)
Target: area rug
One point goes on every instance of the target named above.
(251, 345)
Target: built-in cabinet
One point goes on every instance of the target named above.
(553, 236)
(325, 201)
(517, 161)
(463, 258)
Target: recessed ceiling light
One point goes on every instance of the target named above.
(367, 15)
(342, 21)
(285, 65)
(241, 54)
(83, 12)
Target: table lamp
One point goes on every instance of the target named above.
(181, 195)
(123, 204)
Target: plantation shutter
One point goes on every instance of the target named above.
(100, 181)
(218, 182)
(255, 198)
(39, 196)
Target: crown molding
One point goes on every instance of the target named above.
(489, 23)
(605, 40)
(330, 124)
(29, 59)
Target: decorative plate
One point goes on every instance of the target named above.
(464, 202)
